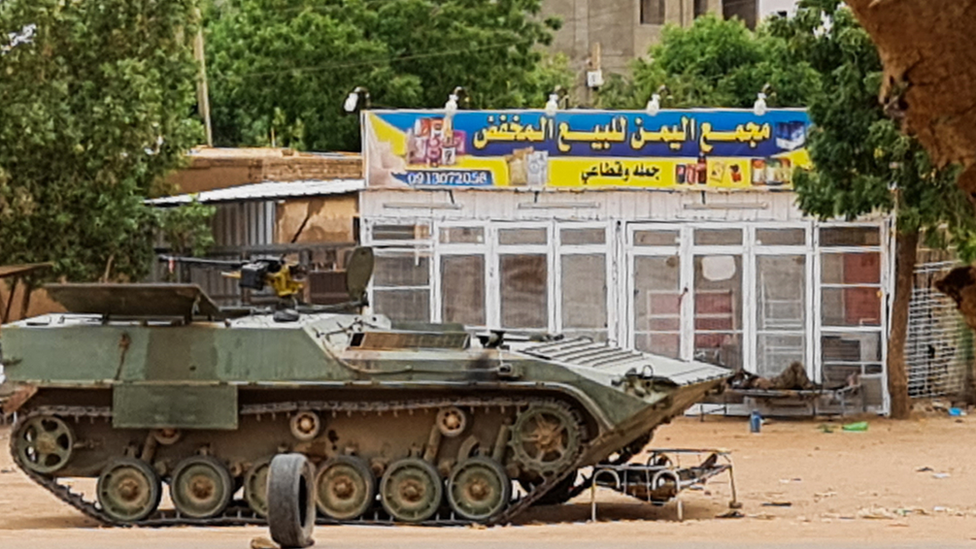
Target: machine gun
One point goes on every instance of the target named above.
(285, 278)
(255, 274)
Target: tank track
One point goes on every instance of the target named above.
(239, 514)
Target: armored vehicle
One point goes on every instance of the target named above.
(139, 386)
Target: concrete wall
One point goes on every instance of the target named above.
(323, 219)
(221, 168)
(616, 26)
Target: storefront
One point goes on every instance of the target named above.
(727, 271)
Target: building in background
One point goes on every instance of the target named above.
(676, 233)
(607, 35)
(272, 202)
(771, 7)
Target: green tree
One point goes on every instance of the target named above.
(96, 101)
(820, 59)
(284, 67)
(864, 164)
(186, 229)
(713, 63)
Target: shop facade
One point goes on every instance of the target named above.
(733, 275)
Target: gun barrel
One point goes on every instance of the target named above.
(202, 262)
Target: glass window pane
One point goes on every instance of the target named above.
(411, 305)
(524, 291)
(402, 269)
(719, 349)
(657, 293)
(718, 310)
(781, 237)
(401, 232)
(668, 345)
(578, 237)
(584, 291)
(850, 236)
(718, 237)
(656, 238)
(848, 355)
(851, 347)
(781, 292)
(851, 268)
(851, 307)
(462, 235)
(718, 292)
(522, 236)
(776, 352)
(463, 289)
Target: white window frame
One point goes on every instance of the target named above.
(495, 281)
(747, 281)
(607, 249)
(883, 249)
(627, 321)
(806, 249)
(442, 249)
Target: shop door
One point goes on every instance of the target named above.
(717, 292)
(658, 294)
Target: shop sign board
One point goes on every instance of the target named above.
(586, 149)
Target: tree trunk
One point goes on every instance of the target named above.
(907, 248)
(930, 73)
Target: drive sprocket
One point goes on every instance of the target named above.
(546, 438)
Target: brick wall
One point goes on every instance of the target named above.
(221, 168)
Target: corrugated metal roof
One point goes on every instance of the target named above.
(269, 190)
(584, 352)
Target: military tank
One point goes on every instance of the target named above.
(141, 386)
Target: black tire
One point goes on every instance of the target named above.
(291, 501)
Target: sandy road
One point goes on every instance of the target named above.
(844, 490)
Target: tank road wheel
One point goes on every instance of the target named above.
(44, 444)
(201, 487)
(128, 490)
(305, 426)
(345, 488)
(411, 490)
(451, 421)
(256, 487)
(291, 500)
(545, 439)
(478, 489)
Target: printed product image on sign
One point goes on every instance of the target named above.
(686, 149)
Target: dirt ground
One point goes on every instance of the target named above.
(898, 482)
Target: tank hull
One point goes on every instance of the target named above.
(371, 405)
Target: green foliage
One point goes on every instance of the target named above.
(285, 66)
(712, 63)
(863, 162)
(823, 60)
(186, 229)
(95, 110)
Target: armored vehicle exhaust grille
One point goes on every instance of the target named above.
(410, 340)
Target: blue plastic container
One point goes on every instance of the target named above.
(755, 422)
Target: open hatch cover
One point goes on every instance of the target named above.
(135, 300)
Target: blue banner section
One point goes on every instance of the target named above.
(673, 149)
(691, 133)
